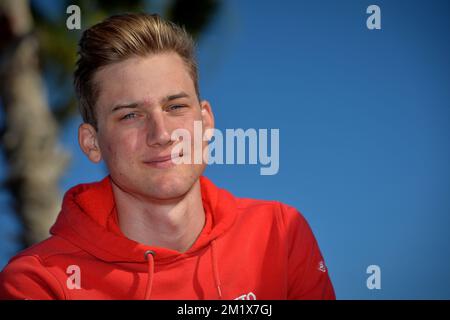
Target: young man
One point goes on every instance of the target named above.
(155, 228)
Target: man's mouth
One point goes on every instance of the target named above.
(162, 161)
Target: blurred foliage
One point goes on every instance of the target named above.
(194, 15)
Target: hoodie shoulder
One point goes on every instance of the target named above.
(286, 230)
(28, 275)
(26, 278)
(54, 245)
(284, 214)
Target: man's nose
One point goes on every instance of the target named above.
(157, 134)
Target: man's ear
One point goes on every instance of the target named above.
(207, 115)
(87, 138)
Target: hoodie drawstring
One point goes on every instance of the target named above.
(215, 268)
(149, 254)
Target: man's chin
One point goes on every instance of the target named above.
(170, 186)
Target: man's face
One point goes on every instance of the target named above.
(141, 101)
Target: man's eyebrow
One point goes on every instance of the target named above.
(171, 97)
(166, 99)
(125, 106)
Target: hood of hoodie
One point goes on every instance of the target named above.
(88, 220)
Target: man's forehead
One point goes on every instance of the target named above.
(168, 64)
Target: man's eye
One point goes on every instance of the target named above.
(176, 107)
(128, 116)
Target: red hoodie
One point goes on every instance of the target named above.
(248, 249)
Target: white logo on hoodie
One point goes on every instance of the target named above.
(248, 296)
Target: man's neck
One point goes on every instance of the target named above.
(173, 224)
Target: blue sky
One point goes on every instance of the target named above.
(364, 120)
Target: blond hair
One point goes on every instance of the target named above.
(120, 37)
